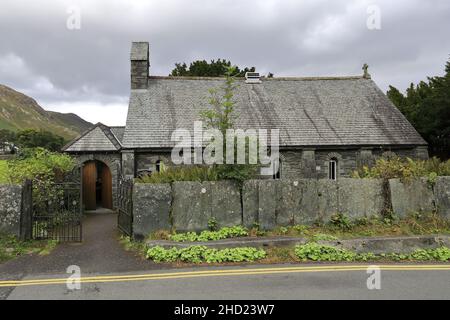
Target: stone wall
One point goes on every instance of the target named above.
(287, 202)
(306, 163)
(411, 196)
(442, 196)
(151, 208)
(188, 206)
(10, 209)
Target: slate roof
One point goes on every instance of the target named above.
(118, 133)
(308, 111)
(97, 138)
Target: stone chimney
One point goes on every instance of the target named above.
(139, 65)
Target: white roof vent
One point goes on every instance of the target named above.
(252, 77)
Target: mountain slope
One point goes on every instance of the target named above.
(18, 112)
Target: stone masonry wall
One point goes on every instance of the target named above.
(300, 163)
(10, 209)
(188, 206)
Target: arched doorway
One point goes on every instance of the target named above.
(97, 185)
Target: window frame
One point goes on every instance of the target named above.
(333, 169)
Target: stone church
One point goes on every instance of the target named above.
(329, 126)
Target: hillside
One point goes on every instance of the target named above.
(18, 112)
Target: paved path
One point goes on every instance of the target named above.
(260, 282)
(100, 252)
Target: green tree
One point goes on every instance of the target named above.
(202, 68)
(7, 136)
(31, 138)
(221, 116)
(427, 106)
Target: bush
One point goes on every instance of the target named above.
(192, 173)
(223, 233)
(45, 168)
(341, 221)
(404, 168)
(199, 254)
(319, 252)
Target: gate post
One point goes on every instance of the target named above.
(26, 212)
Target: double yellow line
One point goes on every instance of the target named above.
(221, 273)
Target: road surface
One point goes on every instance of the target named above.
(250, 282)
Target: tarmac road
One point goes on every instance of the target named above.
(265, 282)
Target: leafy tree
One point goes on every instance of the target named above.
(221, 116)
(427, 106)
(31, 138)
(7, 136)
(215, 68)
(46, 169)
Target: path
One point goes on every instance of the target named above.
(100, 252)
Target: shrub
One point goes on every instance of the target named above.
(301, 229)
(212, 224)
(341, 221)
(199, 254)
(191, 173)
(223, 233)
(46, 169)
(404, 168)
(319, 252)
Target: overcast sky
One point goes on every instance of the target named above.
(86, 70)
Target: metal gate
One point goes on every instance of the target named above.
(125, 206)
(57, 209)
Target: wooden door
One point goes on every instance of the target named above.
(89, 180)
(106, 188)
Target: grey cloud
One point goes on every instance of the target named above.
(300, 38)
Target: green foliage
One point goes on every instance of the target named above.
(221, 116)
(427, 106)
(199, 254)
(130, 245)
(7, 136)
(11, 248)
(223, 233)
(4, 178)
(190, 173)
(341, 221)
(390, 224)
(439, 254)
(201, 68)
(319, 252)
(45, 168)
(405, 169)
(301, 229)
(40, 165)
(283, 230)
(212, 224)
(43, 139)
